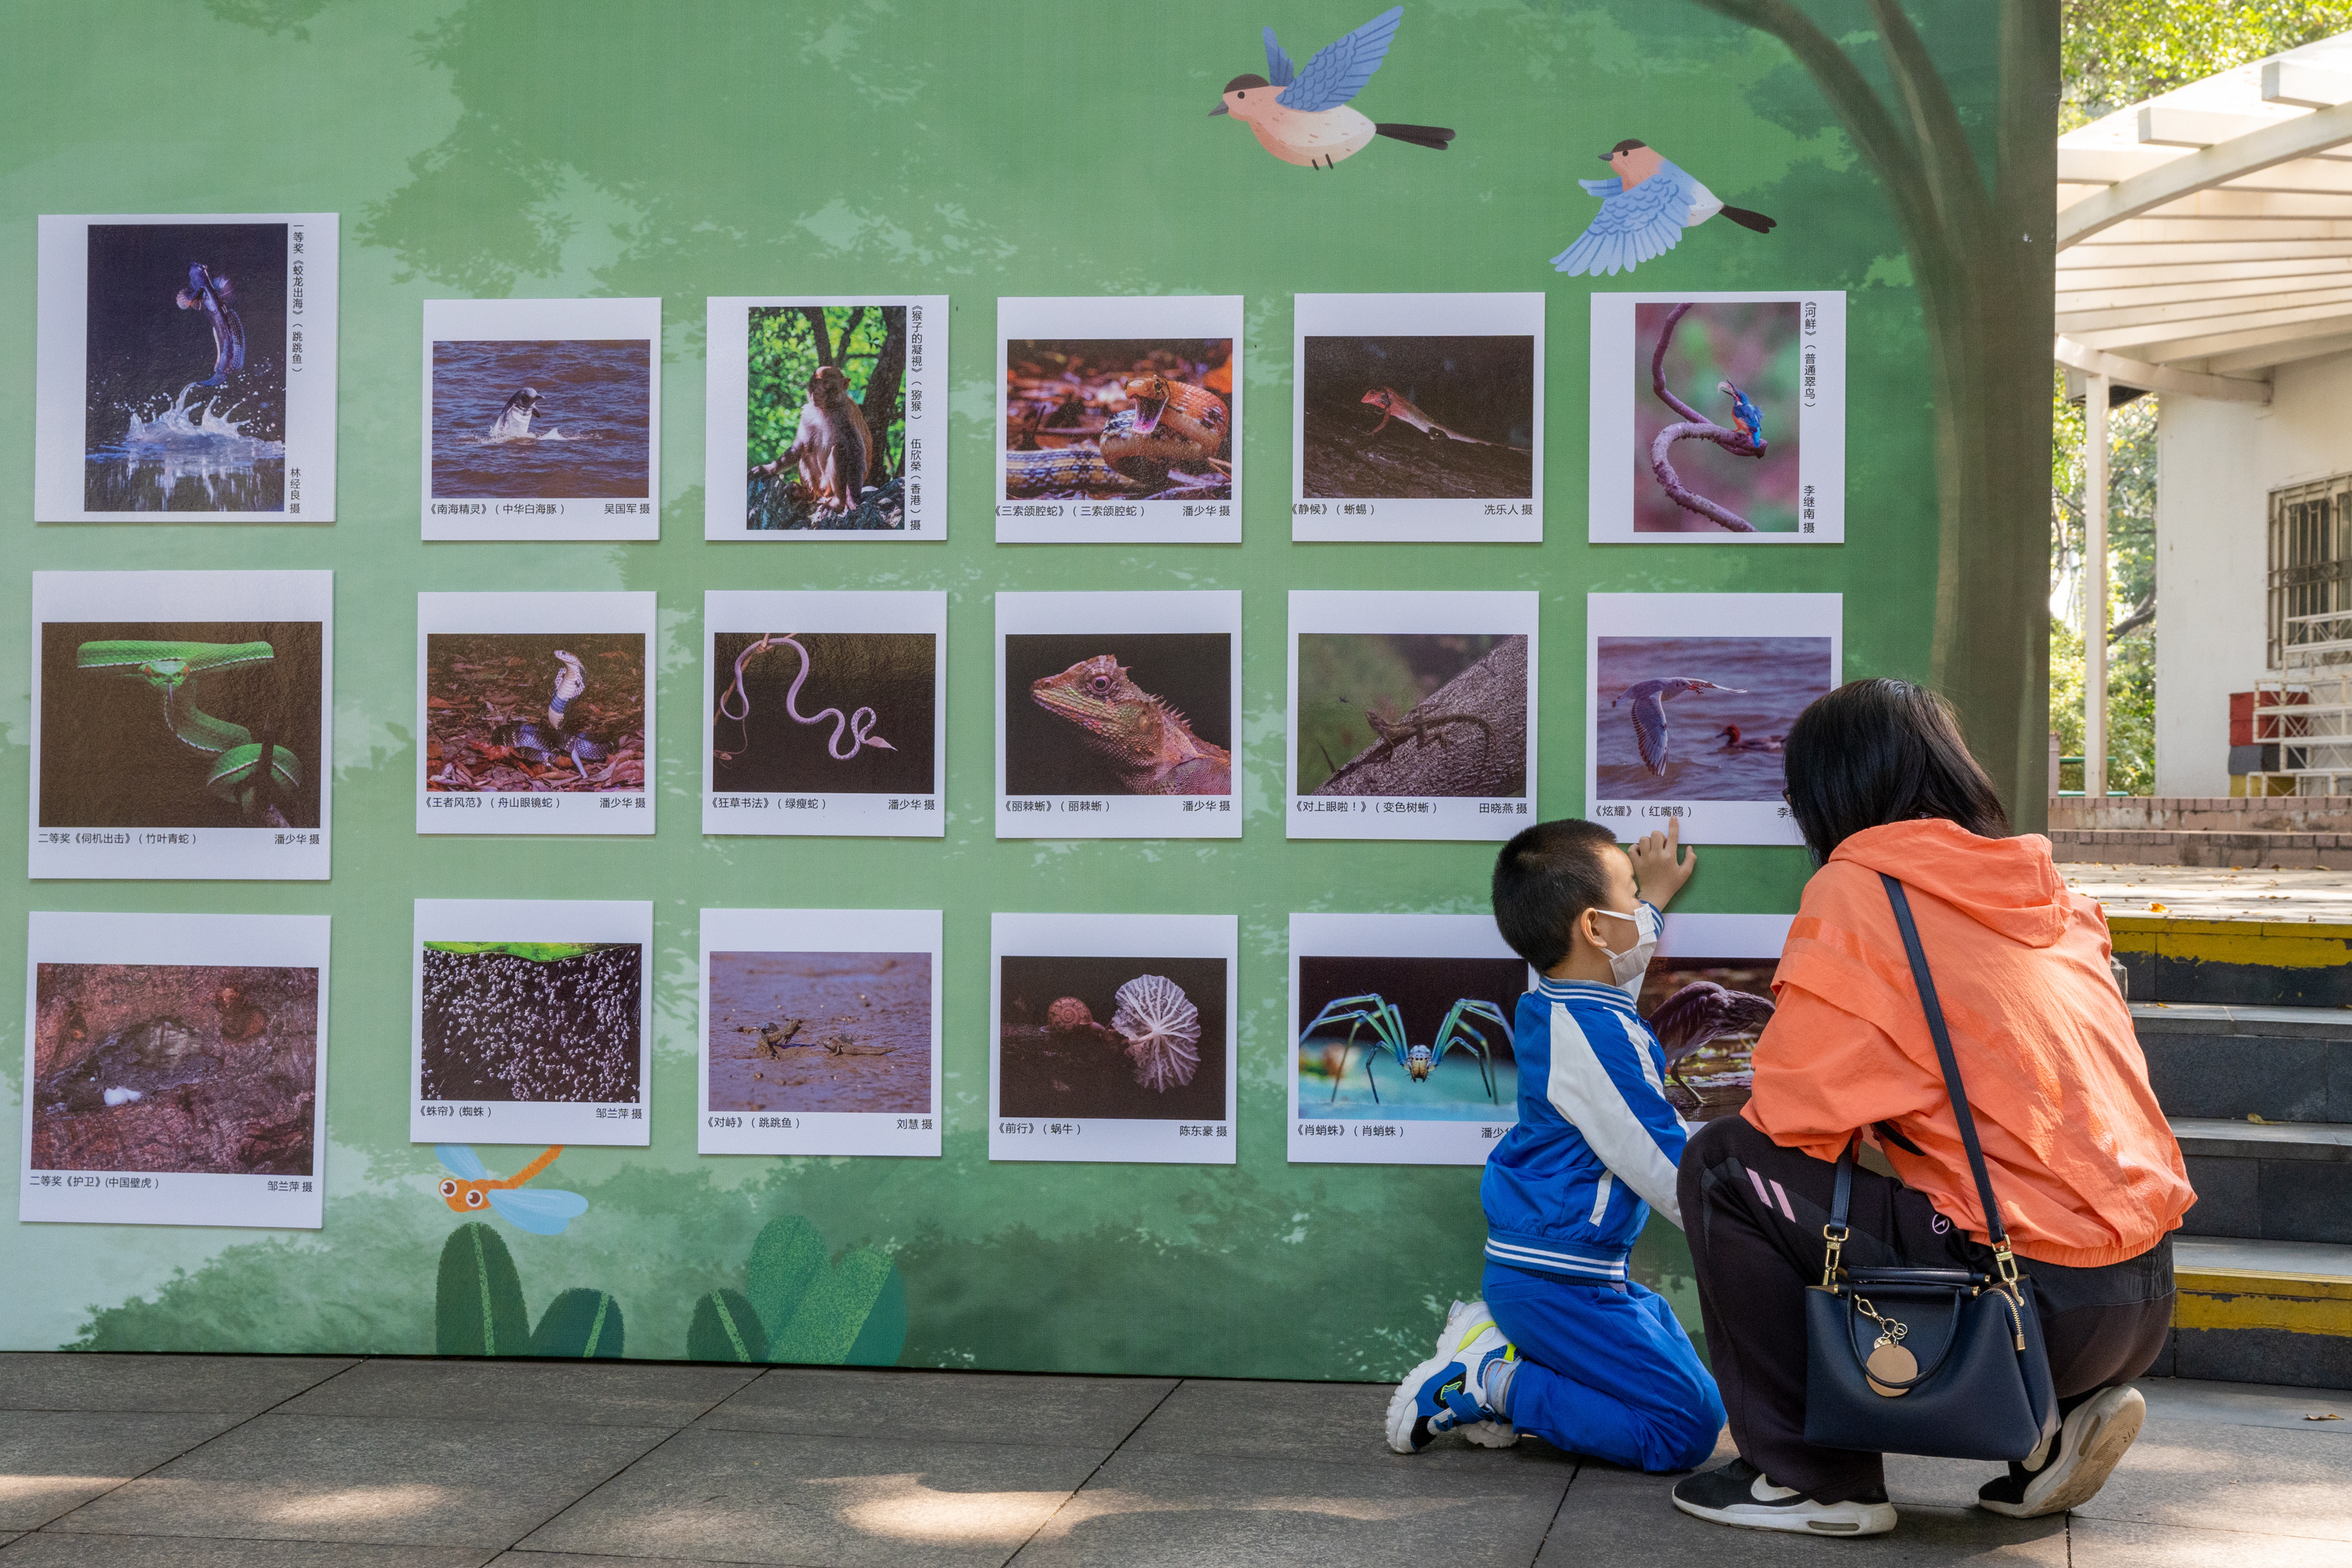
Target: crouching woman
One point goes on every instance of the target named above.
(2086, 1172)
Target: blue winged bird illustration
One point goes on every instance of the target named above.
(469, 1186)
(1302, 116)
(1645, 204)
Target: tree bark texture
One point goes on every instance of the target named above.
(1469, 737)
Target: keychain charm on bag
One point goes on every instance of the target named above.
(1888, 1361)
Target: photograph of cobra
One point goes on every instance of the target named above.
(1105, 714)
(168, 724)
(1407, 1038)
(818, 712)
(526, 420)
(1725, 378)
(1413, 418)
(188, 1067)
(825, 405)
(1707, 1014)
(1119, 419)
(185, 402)
(1130, 1039)
(821, 1032)
(537, 1021)
(1396, 714)
(518, 712)
(1701, 718)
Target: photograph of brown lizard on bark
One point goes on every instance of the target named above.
(1150, 713)
(1419, 417)
(1383, 714)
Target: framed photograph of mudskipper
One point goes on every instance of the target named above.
(185, 369)
(1690, 698)
(1400, 1029)
(827, 418)
(1717, 418)
(1113, 1038)
(532, 1021)
(1412, 714)
(537, 712)
(1418, 417)
(175, 1069)
(820, 1032)
(1117, 714)
(1119, 420)
(181, 724)
(542, 419)
(824, 712)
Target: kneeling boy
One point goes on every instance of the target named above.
(1564, 1345)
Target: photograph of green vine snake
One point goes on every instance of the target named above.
(165, 725)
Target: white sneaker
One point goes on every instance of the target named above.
(1486, 1434)
(1447, 1392)
(1740, 1494)
(2090, 1443)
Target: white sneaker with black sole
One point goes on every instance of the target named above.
(2090, 1443)
(1739, 1494)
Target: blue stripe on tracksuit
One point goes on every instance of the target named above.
(1608, 1371)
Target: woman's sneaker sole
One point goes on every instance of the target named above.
(1783, 1509)
(2093, 1442)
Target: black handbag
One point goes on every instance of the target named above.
(1947, 1362)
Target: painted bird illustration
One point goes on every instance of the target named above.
(1744, 414)
(1701, 1012)
(1645, 206)
(469, 1186)
(1649, 700)
(1302, 116)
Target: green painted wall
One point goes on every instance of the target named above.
(540, 148)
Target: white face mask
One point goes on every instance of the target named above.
(1629, 965)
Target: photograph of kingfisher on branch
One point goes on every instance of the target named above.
(1138, 1039)
(207, 1069)
(527, 420)
(1119, 419)
(1384, 713)
(1716, 391)
(528, 712)
(1411, 417)
(826, 417)
(1707, 1014)
(544, 1022)
(824, 712)
(168, 723)
(821, 1032)
(185, 371)
(1701, 718)
(1093, 714)
(1407, 1039)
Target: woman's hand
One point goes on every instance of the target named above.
(1661, 866)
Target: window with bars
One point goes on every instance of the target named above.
(2310, 558)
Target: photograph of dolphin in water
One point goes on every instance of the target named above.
(522, 419)
(184, 407)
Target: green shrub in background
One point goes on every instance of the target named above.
(479, 1307)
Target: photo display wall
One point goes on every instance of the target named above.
(918, 955)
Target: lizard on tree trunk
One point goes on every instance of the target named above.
(1149, 743)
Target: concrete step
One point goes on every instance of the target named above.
(2283, 1064)
(2239, 963)
(2262, 1311)
(2268, 1181)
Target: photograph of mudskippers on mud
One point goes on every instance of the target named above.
(534, 712)
(180, 724)
(1390, 417)
(175, 1068)
(825, 426)
(1119, 420)
(184, 398)
(803, 1032)
(1400, 714)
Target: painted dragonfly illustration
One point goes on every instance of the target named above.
(469, 1186)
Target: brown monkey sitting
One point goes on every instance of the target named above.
(833, 447)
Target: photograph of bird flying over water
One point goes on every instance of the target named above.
(1302, 116)
(1700, 718)
(1645, 204)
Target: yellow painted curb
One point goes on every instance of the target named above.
(2271, 944)
(2297, 1303)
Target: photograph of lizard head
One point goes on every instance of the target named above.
(1119, 419)
(824, 712)
(1385, 713)
(1716, 389)
(533, 712)
(1395, 418)
(1150, 713)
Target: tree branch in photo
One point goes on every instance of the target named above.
(1693, 426)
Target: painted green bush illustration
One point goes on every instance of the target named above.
(725, 1328)
(478, 1308)
(809, 1309)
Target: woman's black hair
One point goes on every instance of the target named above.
(1875, 752)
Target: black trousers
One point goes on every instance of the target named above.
(1754, 1212)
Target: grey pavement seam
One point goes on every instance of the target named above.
(1113, 1453)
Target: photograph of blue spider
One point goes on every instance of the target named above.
(1362, 1054)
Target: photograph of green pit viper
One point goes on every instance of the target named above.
(175, 672)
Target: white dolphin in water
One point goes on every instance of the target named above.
(513, 423)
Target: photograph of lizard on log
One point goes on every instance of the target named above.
(1145, 713)
(1403, 715)
(1419, 417)
(1119, 419)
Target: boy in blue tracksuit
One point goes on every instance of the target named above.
(1564, 1345)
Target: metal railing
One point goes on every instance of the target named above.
(2306, 713)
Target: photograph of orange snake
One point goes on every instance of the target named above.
(1119, 419)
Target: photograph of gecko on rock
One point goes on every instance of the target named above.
(1396, 715)
(1148, 713)
(1119, 419)
(1394, 417)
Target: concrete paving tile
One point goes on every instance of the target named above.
(230, 1385)
(802, 1498)
(556, 1394)
(1619, 1516)
(1346, 1422)
(2115, 1544)
(1175, 1510)
(949, 1406)
(54, 1462)
(2209, 1476)
(409, 1483)
(49, 1550)
(2171, 1399)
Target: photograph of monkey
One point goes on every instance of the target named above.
(826, 431)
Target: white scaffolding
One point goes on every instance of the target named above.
(2307, 713)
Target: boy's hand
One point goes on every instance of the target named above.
(1661, 866)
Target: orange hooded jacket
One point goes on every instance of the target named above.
(2085, 1168)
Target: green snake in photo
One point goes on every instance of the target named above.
(168, 668)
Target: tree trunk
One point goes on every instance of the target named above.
(884, 388)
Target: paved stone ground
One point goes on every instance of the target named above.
(2216, 892)
(235, 1462)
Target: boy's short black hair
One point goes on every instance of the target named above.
(1545, 878)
